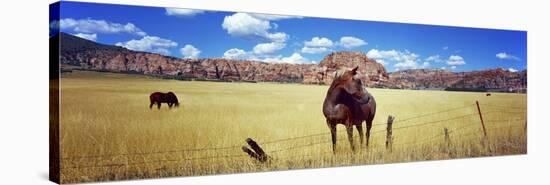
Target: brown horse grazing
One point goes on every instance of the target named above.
(348, 102)
(158, 98)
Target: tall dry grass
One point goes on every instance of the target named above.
(108, 131)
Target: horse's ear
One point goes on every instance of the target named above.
(354, 70)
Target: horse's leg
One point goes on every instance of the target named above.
(360, 130)
(369, 126)
(349, 129)
(158, 105)
(151, 105)
(332, 128)
(170, 105)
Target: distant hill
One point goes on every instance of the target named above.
(483, 80)
(78, 53)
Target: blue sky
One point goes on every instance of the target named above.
(188, 33)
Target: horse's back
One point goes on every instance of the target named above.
(158, 97)
(155, 95)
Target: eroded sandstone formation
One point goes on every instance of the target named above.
(87, 55)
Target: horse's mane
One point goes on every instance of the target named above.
(337, 75)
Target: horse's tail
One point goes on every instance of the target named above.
(152, 97)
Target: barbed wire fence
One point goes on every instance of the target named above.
(238, 155)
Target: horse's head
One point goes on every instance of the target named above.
(173, 98)
(349, 82)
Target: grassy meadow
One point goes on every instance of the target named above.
(108, 131)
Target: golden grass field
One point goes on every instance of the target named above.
(108, 131)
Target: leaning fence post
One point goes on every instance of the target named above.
(250, 152)
(481, 118)
(257, 152)
(389, 133)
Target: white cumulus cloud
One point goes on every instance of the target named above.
(189, 51)
(268, 48)
(98, 26)
(277, 37)
(384, 63)
(296, 58)
(317, 45)
(92, 37)
(403, 59)
(183, 12)
(314, 50)
(351, 42)
(149, 44)
(271, 59)
(425, 65)
(506, 56)
(434, 58)
(411, 64)
(235, 54)
(319, 42)
(512, 70)
(381, 54)
(248, 26)
(456, 60)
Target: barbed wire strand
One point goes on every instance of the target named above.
(414, 143)
(433, 113)
(275, 141)
(500, 106)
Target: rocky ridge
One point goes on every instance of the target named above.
(78, 53)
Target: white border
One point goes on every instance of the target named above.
(24, 117)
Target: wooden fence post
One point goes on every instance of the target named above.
(257, 152)
(447, 145)
(447, 138)
(481, 118)
(389, 133)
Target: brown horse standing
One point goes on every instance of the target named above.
(347, 102)
(158, 98)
